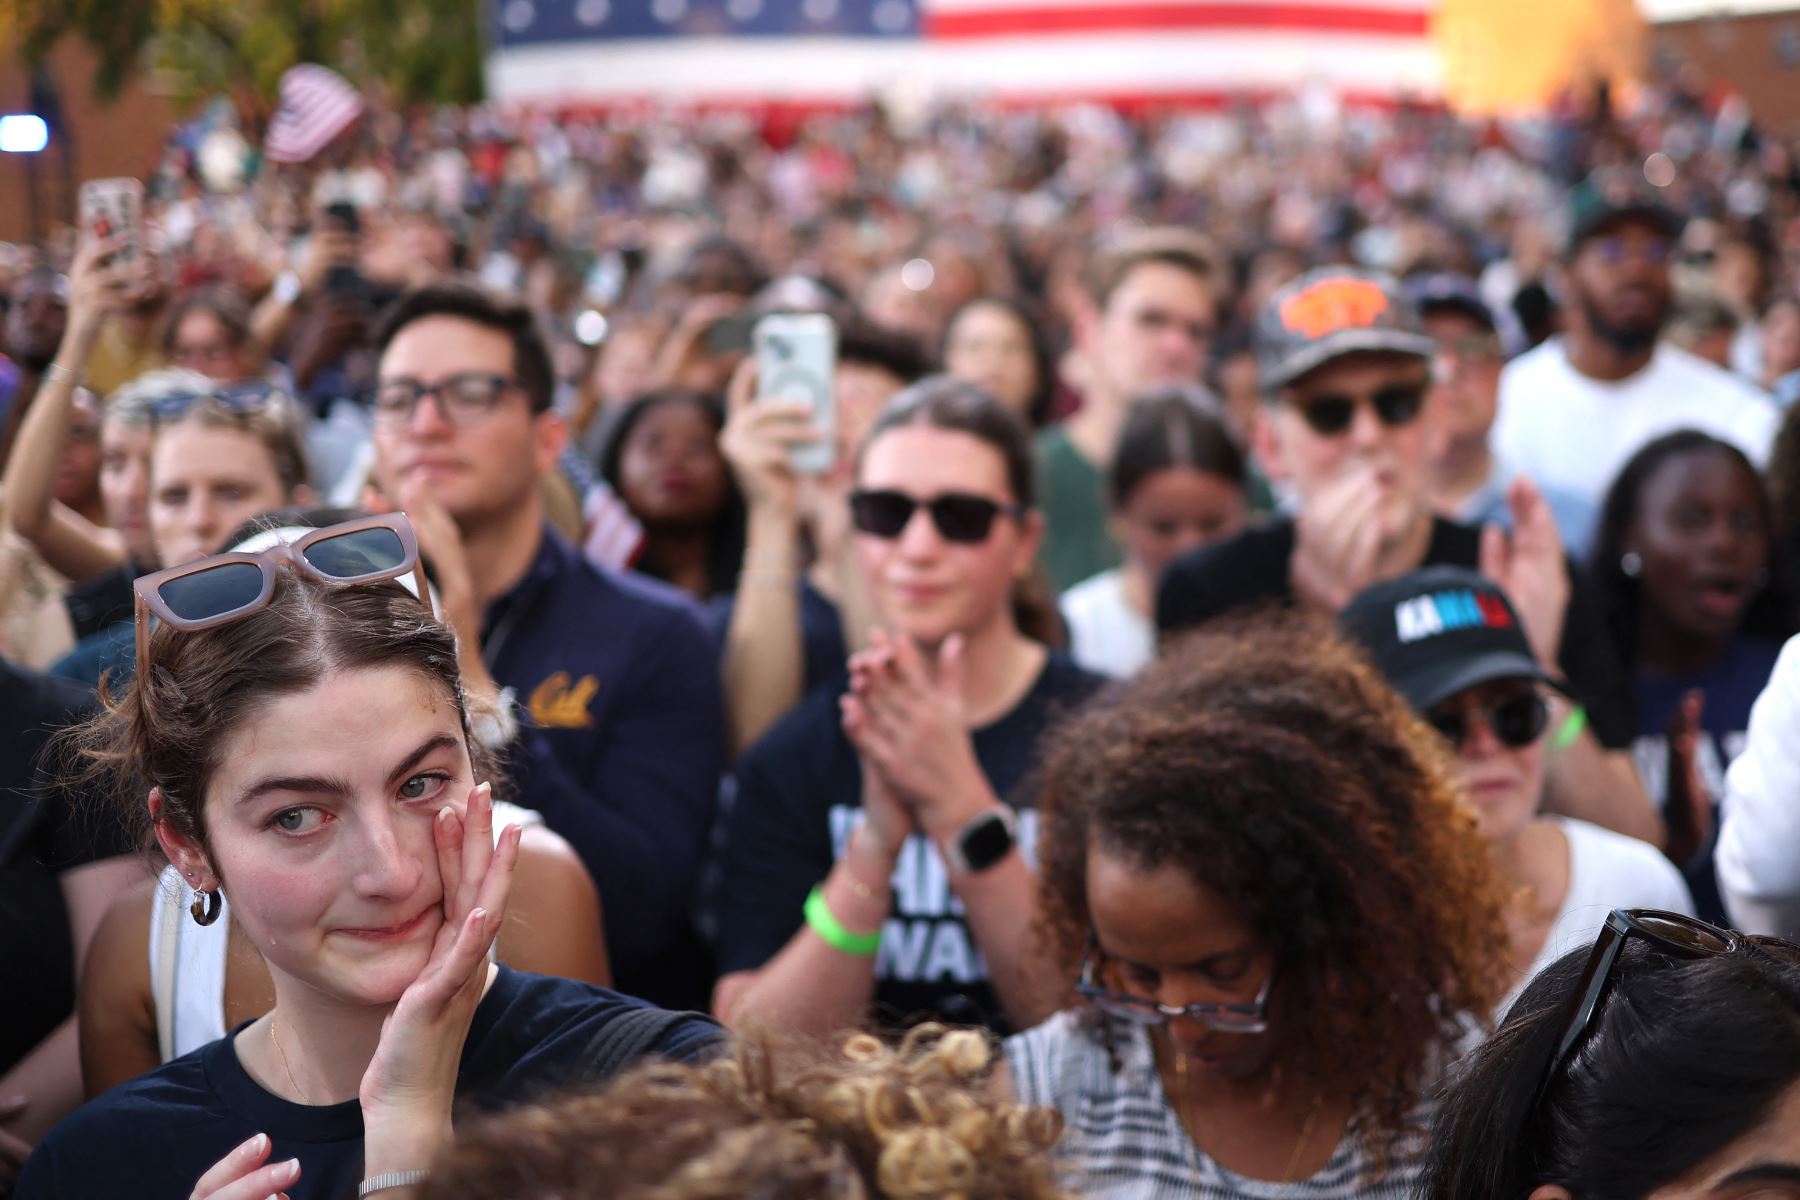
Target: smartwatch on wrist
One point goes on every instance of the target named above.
(984, 841)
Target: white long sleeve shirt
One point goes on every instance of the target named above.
(1758, 855)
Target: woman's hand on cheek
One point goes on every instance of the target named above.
(241, 1174)
(410, 1085)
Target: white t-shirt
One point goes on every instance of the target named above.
(1607, 870)
(1572, 433)
(1106, 635)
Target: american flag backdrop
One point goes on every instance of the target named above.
(830, 51)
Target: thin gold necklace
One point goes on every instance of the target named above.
(275, 1036)
(1306, 1126)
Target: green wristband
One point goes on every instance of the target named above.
(1570, 729)
(822, 922)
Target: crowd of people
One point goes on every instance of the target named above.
(1267, 673)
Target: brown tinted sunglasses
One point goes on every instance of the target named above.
(225, 587)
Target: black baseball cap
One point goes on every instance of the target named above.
(1439, 631)
(1447, 292)
(1328, 313)
(1609, 196)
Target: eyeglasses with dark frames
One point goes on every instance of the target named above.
(463, 399)
(1674, 934)
(1248, 1018)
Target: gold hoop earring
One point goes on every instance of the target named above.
(206, 906)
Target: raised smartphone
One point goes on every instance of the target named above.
(112, 208)
(796, 359)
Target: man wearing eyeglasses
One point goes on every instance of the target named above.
(1346, 431)
(1146, 319)
(1573, 410)
(610, 676)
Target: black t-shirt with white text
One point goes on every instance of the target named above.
(799, 796)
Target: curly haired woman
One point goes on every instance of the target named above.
(1282, 919)
(859, 1122)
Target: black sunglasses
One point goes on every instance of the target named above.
(1331, 414)
(1670, 933)
(959, 516)
(1517, 721)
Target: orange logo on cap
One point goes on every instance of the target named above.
(1334, 304)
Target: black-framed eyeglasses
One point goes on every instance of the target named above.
(1670, 933)
(959, 516)
(466, 398)
(1219, 1018)
(1517, 720)
(245, 396)
(1331, 414)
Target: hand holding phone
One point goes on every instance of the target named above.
(113, 210)
(796, 362)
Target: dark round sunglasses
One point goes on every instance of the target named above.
(1331, 414)
(959, 516)
(1517, 721)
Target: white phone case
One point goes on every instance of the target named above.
(110, 207)
(796, 358)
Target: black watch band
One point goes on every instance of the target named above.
(984, 841)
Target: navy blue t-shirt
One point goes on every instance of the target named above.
(157, 1134)
(1731, 685)
(821, 634)
(799, 796)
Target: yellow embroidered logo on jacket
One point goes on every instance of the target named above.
(558, 704)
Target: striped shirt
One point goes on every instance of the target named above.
(1123, 1141)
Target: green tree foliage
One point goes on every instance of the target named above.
(419, 50)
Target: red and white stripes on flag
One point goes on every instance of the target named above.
(314, 104)
(611, 536)
(1003, 50)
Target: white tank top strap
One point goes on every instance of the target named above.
(187, 968)
(507, 813)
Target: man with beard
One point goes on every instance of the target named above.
(1574, 409)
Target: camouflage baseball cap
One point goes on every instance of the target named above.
(1328, 313)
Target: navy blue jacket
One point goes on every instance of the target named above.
(621, 746)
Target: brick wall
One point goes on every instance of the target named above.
(120, 138)
(1757, 54)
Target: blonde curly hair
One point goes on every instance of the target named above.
(773, 1121)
